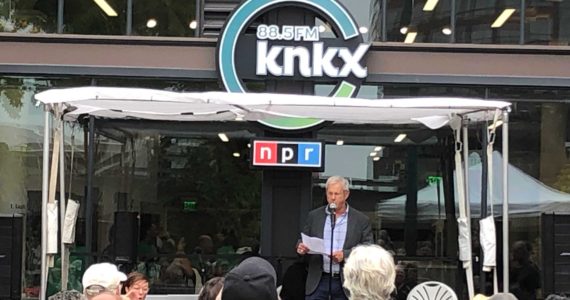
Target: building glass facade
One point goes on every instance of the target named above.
(198, 205)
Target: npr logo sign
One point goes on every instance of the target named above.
(287, 153)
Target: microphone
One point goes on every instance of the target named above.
(332, 207)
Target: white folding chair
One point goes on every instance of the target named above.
(432, 290)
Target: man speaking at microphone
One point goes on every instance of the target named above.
(350, 228)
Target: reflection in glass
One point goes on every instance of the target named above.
(164, 18)
(103, 17)
(28, 16)
(547, 22)
(475, 18)
(418, 21)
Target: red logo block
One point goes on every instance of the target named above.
(265, 152)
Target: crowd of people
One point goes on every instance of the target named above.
(355, 268)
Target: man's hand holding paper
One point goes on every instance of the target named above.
(311, 245)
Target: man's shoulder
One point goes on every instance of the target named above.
(316, 211)
(355, 212)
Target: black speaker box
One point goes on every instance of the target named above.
(10, 257)
(126, 236)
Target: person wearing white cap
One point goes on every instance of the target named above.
(102, 278)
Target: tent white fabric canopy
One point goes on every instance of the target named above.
(135, 103)
(125, 103)
(526, 195)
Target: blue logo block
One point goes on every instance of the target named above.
(309, 154)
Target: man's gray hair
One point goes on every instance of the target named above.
(338, 179)
(369, 273)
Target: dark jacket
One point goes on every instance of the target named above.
(358, 231)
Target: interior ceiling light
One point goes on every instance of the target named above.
(373, 153)
(430, 5)
(340, 142)
(363, 30)
(151, 23)
(223, 137)
(193, 24)
(410, 37)
(376, 158)
(446, 30)
(400, 137)
(235, 154)
(378, 148)
(503, 17)
(404, 30)
(106, 8)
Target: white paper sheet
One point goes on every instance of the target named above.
(316, 245)
(53, 227)
(71, 211)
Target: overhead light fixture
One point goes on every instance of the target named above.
(499, 123)
(378, 148)
(376, 158)
(373, 153)
(223, 137)
(400, 137)
(446, 30)
(193, 24)
(430, 5)
(503, 17)
(340, 142)
(151, 23)
(248, 145)
(410, 37)
(363, 30)
(235, 154)
(404, 30)
(106, 8)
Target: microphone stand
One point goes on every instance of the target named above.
(202, 270)
(333, 223)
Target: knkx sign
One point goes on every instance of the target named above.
(287, 154)
(291, 51)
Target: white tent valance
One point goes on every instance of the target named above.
(127, 103)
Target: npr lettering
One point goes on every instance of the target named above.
(287, 154)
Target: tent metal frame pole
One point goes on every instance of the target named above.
(62, 199)
(468, 271)
(505, 201)
(484, 191)
(89, 201)
(45, 165)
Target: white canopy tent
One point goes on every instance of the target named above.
(134, 103)
(527, 196)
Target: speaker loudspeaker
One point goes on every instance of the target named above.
(126, 236)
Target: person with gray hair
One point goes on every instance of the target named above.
(369, 273)
(342, 227)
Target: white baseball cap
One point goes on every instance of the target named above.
(103, 274)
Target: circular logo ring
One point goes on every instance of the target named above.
(241, 18)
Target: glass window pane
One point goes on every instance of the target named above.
(422, 21)
(103, 17)
(547, 22)
(487, 22)
(28, 16)
(164, 18)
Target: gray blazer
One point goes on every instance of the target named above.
(358, 231)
